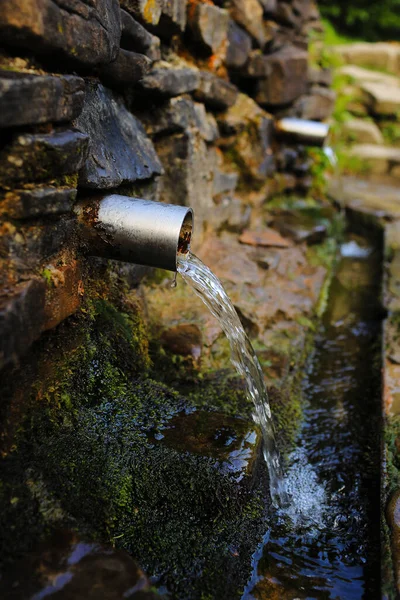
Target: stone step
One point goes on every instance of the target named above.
(361, 75)
(382, 99)
(382, 55)
(361, 131)
(380, 159)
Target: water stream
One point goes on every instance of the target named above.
(209, 288)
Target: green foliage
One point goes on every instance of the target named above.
(371, 21)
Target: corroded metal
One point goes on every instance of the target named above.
(134, 230)
(311, 133)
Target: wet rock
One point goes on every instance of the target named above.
(362, 132)
(73, 569)
(249, 14)
(216, 93)
(27, 99)
(21, 318)
(120, 151)
(239, 46)
(188, 178)
(170, 82)
(266, 237)
(286, 79)
(177, 114)
(147, 11)
(381, 99)
(36, 156)
(184, 340)
(249, 132)
(85, 33)
(36, 201)
(318, 105)
(300, 227)
(208, 25)
(234, 443)
(230, 261)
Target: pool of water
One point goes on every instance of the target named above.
(327, 545)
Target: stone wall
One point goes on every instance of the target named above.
(169, 100)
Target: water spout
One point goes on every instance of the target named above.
(134, 230)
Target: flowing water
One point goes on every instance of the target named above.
(208, 287)
(327, 544)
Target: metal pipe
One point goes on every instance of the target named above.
(135, 230)
(311, 133)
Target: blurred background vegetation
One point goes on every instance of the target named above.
(363, 19)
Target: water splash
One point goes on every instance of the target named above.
(209, 288)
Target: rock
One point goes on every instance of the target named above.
(137, 39)
(380, 159)
(393, 517)
(215, 92)
(381, 55)
(234, 443)
(239, 46)
(249, 14)
(382, 99)
(364, 196)
(361, 75)
(40, 156)
(286, 79)
(301, 226)
(317, 105)
(251, 131)
(208, 25)
(188, 178)
(126, 69)
(84, 33)
(120, 151)
(37, 201)
(266, 237)
(87, 570)
(361, 131)
(147, 11)
(224, 182)
(27, 99)
(322, 77)
(64, 291)
(184, 340)
(21, 318)
(173, 18)
(177, 114)
(169, 82)
(230, 214)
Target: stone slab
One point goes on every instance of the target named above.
(170, 82)
(361, 75)
(381, 199)
(381, 55)
(128, 68)
(120, 151)
(381, 98)
(249, 14)
(137, 39)
(317, 105)
(37, 201)
(361, 131)
(208, 26)
(239, 46)
(381, 159)
(216, 93)
(40, 156)
(86, 33)
(29, 99)
(286, 77)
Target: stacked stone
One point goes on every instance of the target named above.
(171, 100)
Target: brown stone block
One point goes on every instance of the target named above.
(147, 11)
(170, 82)
(249, 14)
(64, 292)
(215, 92)
(239, 46)
(208, 25)
(126, 69)
(33, 201)
(286, 79)
(83, 32)
(27, 99)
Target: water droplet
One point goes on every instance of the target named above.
(174, 282)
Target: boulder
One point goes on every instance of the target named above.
(147, 12)
(128, 68)
(239, 46)
(361, 131)
(120, 151)
(249, 14)
(382, 99)
(214, 92)
(86, 33)
(286, 77)
(208, 25)
(27, 99)
(170, 81)
(40, 156)
(137, 39)
(37, 201)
